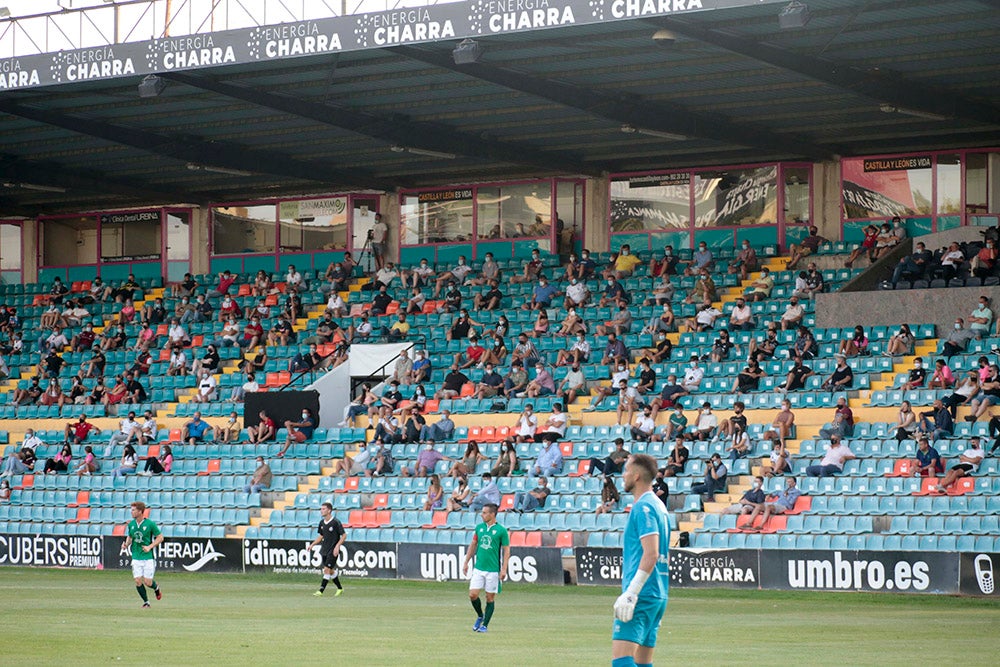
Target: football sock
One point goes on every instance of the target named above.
(142, 592)
(155, 587)
(336, 582)
(322, 584)
(478, 606)
(627, 661)
(488, 615)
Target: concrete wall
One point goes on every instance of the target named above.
(914, 306)
(597, 231)
(826, 199)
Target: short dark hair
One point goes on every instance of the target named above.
(646, 464)
(492, 507)
(329, 506)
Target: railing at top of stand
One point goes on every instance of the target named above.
(108, 24)
(377, 373)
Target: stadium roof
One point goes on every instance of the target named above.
(862, 77)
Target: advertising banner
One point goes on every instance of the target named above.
(376, 560)
(689, 568)
(79, 551)
(870, 571)
(443, 562)
(411, 25)
(180, 554)
(978, 574)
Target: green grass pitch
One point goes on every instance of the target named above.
(67, 617)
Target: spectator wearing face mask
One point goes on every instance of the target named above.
(750, 500)
(745, 261)
(618, 377)
(542, 295)
(917, 376)
(623, 264)
(666, 265)
(427, 460)
(957, 340)
(981, 319)
(299, 431)
(701, 260)
(984, 263)
(577, 294)
(456, 274)
(532, 270)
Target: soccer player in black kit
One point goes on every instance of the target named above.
(332, 535)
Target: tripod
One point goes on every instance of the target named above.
(366, 252)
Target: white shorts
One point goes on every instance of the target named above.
(488, 581)
(143, 568)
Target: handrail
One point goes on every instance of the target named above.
(356, 381)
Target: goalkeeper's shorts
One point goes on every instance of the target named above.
(645, 623)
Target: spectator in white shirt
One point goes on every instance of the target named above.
(742, 317)
(177, 336)
(526, 424)
(294, 279)
(249, 387)
(554, 427)
(335, 305)
(693, 375)
(704, 425)
(128, 428)
(386, 274)
(206, 388)
(577, 294)
(792, 317)
(178, 362)
(420, 275)
(643, 426)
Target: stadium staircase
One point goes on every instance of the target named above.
(872, 505)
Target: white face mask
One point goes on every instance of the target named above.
(461, 262)
(957, 325)
(429, 447)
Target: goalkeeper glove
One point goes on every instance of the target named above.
(625, 604)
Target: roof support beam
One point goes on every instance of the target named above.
(50, 174)
(626, 108)
(891, 89)
(397, 130)
(186, 148)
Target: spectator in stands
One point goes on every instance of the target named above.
(128, 463)
(141, 365)
(623, 264)
(703, 291)
(739, 444)
(489, 494)
(469, 461)
(578, 353)
(177, 366)
(336, 278)
(378, 236)
(426, 461)
(262, 284)
(745, 262)
(722, 346)
(29, 395)
(609, 497)
(942, 378)
(714, 480)
(693, 376)
(738, 420)
(60, 462)
(705, 424)
(661, 323)
(74, 314)
(741, 317)
(452, 386)
(702, 260)
(193, 431)
(797, 376)
(261, 478)
(554, 427)
(832, 463)
(185, 287)
(842, 376)
(677, 459)
(207, 388)
(542, 295)
(749, 378)
(230, 310)
(148, 429)
(843, 422)
(542, 385)
(856, 345)
(916, 376)
(418, 276)
(54, 342)
(989, 394)
(901, 343)
(981, 319)
(98, 393)
(793, 316)
(51, 365)
(525, 351)
(299, 431)
(507, 463)
(666, 265)
(951, 261)
(619, 378)
(704, 319)
(435, 494)
(676, 423)
(814, 283)
(643, 427)
(77, 432)
(386, 274)
(968, 463)
(760, 289)
(805, 345)
(957, 340)
(613, 295)
(226, 280)
(549, 461)
(526, 425)
(456, 274)
(53, 395)
(389, 429)
(867, 246)
(528, 501)
(240, 392)
(914, 266)
(118, 391)
(751, 499)
(662, 348)
(779, 503)
(928, 461)
(252, 334)
(14, 465)
(158, 465)
(804, 248)
(779, 460)
(442, 429)
(209, 362)
(906, 422)
(380, 460)
(984, 263)
(89, 465)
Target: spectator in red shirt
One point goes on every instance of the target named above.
(251, 334)
(226, 280)
(263, 431)
(473, 354)
(78, 432)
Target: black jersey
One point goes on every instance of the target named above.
(331, 531)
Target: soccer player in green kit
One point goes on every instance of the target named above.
(490, 540)
(143, 537)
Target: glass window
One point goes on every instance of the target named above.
(797, 194)
(569, 213)
(69, 241)
(982, 183)
(441, 216)
(884, 187)
(10, 247)
(178, 236)
(362, 220)
(130, 236)
(314, 224)
(736, 197)
(949, 184)
(514, 211)
(243, 229)
(651, 203)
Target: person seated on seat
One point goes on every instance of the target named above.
(837, 454)
(194, 429)
(750, 500)
(779, 503)
(914, 266)
(623, 264)
(702, 260)
(867, 247)
(532, 270)
(968, 463)
(779, 460)
(666, 265)
(942, 378)
(549, 461)
(928, 460)
(704, 290)
(299, 431)
(760, 289)
(529, 501)
(714, 480)
(805, 247)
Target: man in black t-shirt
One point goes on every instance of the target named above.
(332, 536)
(797, 376)
(381, 301)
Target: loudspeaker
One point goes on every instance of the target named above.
(467, 52)
(151, 86)
(795, 15)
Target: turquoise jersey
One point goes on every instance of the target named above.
(648, 516)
